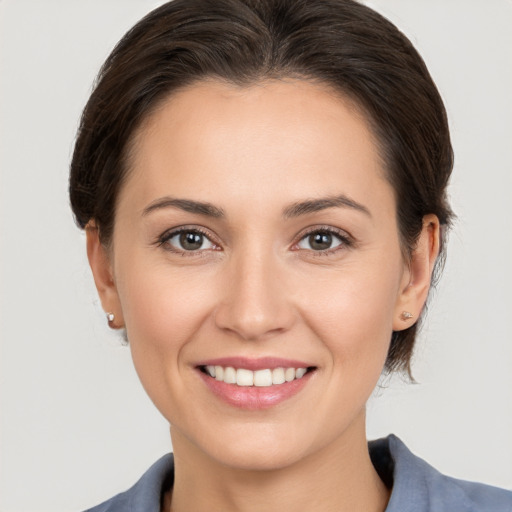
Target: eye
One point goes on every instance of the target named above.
(188, 240)
(322, 240)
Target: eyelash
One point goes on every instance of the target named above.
(346, 241)
(168, 235)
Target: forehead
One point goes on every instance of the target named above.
(287, 135)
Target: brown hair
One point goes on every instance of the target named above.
(340, 43)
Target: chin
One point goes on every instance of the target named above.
(262, 457)
(250, 447)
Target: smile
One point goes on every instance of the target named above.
(255, 383)
(260, 378)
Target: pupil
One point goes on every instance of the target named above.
(320, 241)
(191, 241)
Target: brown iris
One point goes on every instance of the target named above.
(320, 241)
(191, 240)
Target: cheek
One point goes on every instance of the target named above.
(352, 312)
(163, 309)
(161, 304)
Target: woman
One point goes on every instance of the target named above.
(263, 188)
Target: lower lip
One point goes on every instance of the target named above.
(254, 397)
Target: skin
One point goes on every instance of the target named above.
(258, 288)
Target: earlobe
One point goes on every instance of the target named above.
(99, 261)
(414, 291)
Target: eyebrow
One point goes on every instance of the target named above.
(294, 210)
(316, 205)
(187, 205)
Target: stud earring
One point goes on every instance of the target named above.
(405, 315)
(110, 317)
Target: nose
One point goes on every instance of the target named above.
(254, 302)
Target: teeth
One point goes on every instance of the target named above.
(300, 373)
(230, 375)
(278, 376)
(244, 377)
(262, 378)
(258, 378)
(289, 374)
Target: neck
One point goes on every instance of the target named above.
(340, 477)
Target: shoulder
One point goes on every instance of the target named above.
(146, 493)
(418, 487)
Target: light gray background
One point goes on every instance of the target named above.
(76, 426)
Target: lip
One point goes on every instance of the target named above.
(253, 397)
(260, 363)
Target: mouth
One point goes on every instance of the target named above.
(255, 384)
(262, 378)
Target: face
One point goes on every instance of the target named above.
(256, 239)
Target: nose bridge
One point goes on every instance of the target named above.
(254, 302)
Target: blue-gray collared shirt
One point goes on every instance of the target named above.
(415, 486)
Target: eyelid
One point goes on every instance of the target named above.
(170, 233)
(346, 239)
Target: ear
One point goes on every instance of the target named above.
(417, 279)
(100, 263)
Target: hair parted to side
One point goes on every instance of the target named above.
(340, 43)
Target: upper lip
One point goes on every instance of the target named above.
(260, 363)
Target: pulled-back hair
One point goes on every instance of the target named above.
(339, 43)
